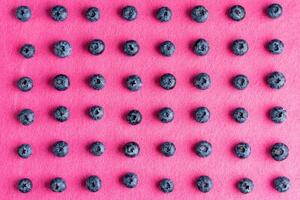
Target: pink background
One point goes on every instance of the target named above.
(222, 166)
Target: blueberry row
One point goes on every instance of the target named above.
(198, 13)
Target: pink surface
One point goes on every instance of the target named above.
(222, 166)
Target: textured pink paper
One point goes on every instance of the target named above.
(222, 166)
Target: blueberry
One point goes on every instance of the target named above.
(97, 82)
(61, 82)
(61, 114)
(166, 115)
(60, 148)
(203, 149)
(97, 148)
(134, 83)
(26, 117)
(23, 13)
(237, 12)
(25, 84)
(131, 149)
(240, 115)
(130, 180)
(201, 47)
(25, 185)
(96, 47)
(164, 14)
(276, 80)
(202, 115)
(202, 81)
(167, 48)
(281, 184)
(274, 10)
(166, 185)
(168, 149)
(131, 47)
(62, 49)
(58, 185)
(129, 13)
(278, 114)
(275, 46)
(242, 150)
(59, 13)
(204, 184)
(25, 151)
(279, 151)
(93, 183)
(96, 112)
(134, 117)
(167, 81)
(239, 47)
(199, 14)
(240, 82)
(27, 50)
(92, 14)
(245, 185)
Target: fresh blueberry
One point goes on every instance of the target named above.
(168, 149)
(97, 82)
(201, 47)
(166, 115)
(164, 14)
(96, 47)
(93, 183)
(131, 149)
(274, 10)
(240, 115)
(129, 13)
(131, 47)
(26, 117)
(240, 82)
(167, 81)
(278, 114)
(275, 46)
(58, 185)
(276, 80)
(61, 114)
(97, 148)
(134, 83)
(282, 184)
(204, 184)
(25, 185)
(27, 50)
(242, 150)
(134, 117)
(92, 14)
(237, 13)
(239, 47)
(202, 81)
(25, 151)
(167, 48)
(130, 180)
(245, 185)
(96, 112)
(202, 115)
(25, 84)
(61, 82)
(62, 49)
(199, 14)
(166, 185)
(203, 149)
(279, 151)
(60, 148)
(23, 13)
(59, 13)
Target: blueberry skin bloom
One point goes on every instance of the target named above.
(61, 82)
(97, 148)
(274, 11)
(27, 51)
(96, 47)
(240, 82)
(23, 13)
(62, 49)
(239, 47)
(26, 117)
(167, 48)
(242, 150)
(129, 13)
(237, 13)
(131, 149)
(97, 81)
(96, 112)
(202, 115)
(134, 83)
(131, 47)
(25, 151)
(164, 14)
(25, 185)
(204, 184)
(245, 185)
(202, 81)
(240, 115)
(58, 185)
(130, 180)
(93, 183)
(166, 185)
(166, 115)
(25, 84)
(276, 80)
(278, 114)
(167, 81)
(279, 151)
(203, 149)
(59, 13)
(61, 114)
(201, 47)
(134, 117)
(281, 184)
(168, 149)
(60, 149)
(92, 14)
(275, 46)
(199, 14)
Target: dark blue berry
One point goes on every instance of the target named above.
(134, 83)
(199, 14)
(274, 10)
(131, 47)
(61, 82)
(242, 150)
(26, 117)
(166, 185)
(164, 14)
(96, 112)
(25, 151)
(58, 185)
(167, 48)
(275, 46)
(240, 82)
(279, 151)
(59, 13)
(276, 80)
(201, 47)
(245, 185)
(25, 84)
(278, 114)
(130, 180)
(129, 13)
(25, 185)
(239, 47)
(203, 149)
(204, 184)
(282, 184)
(202, 115)
(166, 115)
(60, 149)
(92, 14)
(134, 117)
(167, 81)
(93, 183)
(23, 13)
(168, 149)
(97, 148)
(27, 50)
(237, 13)
(96, 47)
(202, 81)
(62, 49)
(131, 149)
(240, 115)
(97, 82)
(61, 114)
